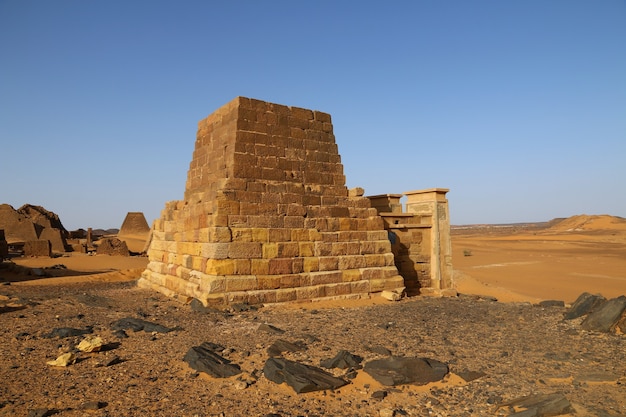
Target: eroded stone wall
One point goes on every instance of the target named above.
(266, 215)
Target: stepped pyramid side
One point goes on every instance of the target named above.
(266, 215)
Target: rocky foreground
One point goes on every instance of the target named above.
(500, 359)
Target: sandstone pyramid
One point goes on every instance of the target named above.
(134, 231)
(266, 215)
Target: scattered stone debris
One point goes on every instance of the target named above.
(112, 246)
(41, 412)
(204, 358)
(552, 303)
(64, 332)
(90, 344)
(138, 325)
(268, 328)
(342, 360)
(280, 346)
(93, 405)
(606, 316)
(539, 405)
(302, 378)
(63, 360)
(393, 295)
(397, 370)
(469, 376)
(584, 304)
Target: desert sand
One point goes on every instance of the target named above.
(578, 254)
(514, 350)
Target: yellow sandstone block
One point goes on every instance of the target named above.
(305, 249)
(220, 266)
(351, 275)
(241, 283)
(270, 250)
(259, 266)
(260, 235)
(311, 264)
(268, 282)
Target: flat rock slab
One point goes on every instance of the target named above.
(204, 358)
(606, 316)
(400, 370)
(138, 325)
(584, 304)
(63, 332)
(302, 378)
(343, 360)
(280, 346)
(540, 405)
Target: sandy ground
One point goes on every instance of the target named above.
(583, 253)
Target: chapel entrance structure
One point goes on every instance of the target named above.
(267, 217)
(420, 239)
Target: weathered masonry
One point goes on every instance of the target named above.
(420, 239)
(267, 217)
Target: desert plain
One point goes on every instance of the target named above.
(507, 352)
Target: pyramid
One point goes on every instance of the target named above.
(267, 217)
(134, 231)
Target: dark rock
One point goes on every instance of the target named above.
(120, 334)
(343, 360)
(64, 332)
(93, 405)
(41, 412)
(113, 361)
(469, 376)
(197, 306)
(280, 346)
(138, 324)
(400, 370)
(268, 328)
(552, 303)
(584, 304)
(606, 316)
(241, 307)
(540, 405)
(204, 358)
(379, 395)
(381, 350)
(302, 378)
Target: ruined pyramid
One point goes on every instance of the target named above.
(267, 217)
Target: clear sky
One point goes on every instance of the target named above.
(518, 107)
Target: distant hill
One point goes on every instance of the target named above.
(581, 222)
(584, 222)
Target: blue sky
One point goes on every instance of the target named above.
(518, 107)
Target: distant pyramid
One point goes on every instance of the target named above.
(267, 217)
(134, 231)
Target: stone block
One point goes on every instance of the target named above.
(245, 250)
(279, 266)
(37, 248)
(326, 277)
(220, 267)
(311, 264)
(351, 275)
(241, 283)
(328, 263)
(214, 250)
(285, 295)
(259, 266)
